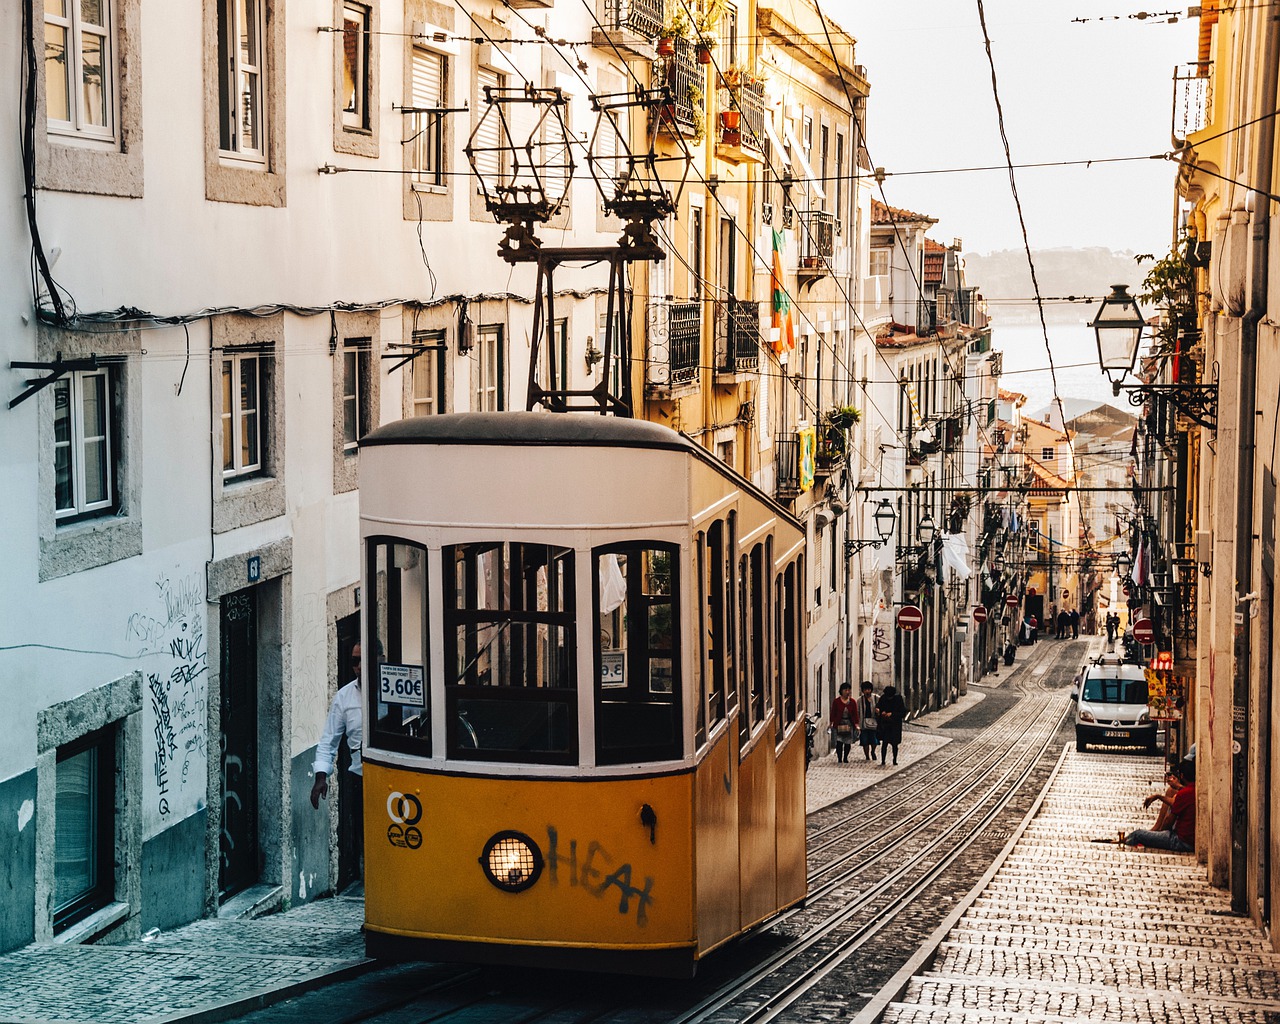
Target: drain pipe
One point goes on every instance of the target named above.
(1260, 211)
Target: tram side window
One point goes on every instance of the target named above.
(637, 654)
(713, 623)
(789, 657)
(510, 686)
(744, 658)
(704, 644)
(758, 593)
(398, 693)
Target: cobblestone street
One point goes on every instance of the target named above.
(1072, 929)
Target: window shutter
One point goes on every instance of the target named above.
(488, 136)
(428, 79)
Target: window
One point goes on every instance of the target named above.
(728, 256)
(879, 263)
(637, 654)
(400, 709)
(488, 370)
(510, 652)
(425, 145)
(824, 135)
(728, 36)
(242, 396)
(715, 589)
(428, 374)
(83, 448)
(1046, 455)
(79, 67)
(241, 71)
(355, 66)
(84, 862)
(839, 182)
(354, 368)
(487, 140)
(558, 345)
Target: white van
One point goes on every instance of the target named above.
(1111, 705)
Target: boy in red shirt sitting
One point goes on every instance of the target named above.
(1180, 836)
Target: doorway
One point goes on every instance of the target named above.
(239, 856)
(350, 797)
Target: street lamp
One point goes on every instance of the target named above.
(1118, 326)
(885, 518)
(999, 563)
(1124, 563)
(926, 530)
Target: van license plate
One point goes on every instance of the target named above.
(1114, 734)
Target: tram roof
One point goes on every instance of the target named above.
(529, 428)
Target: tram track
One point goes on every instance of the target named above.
(811, 959)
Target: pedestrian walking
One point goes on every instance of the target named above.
(1075, 624)
(1064, 624)
(844, 722)
(890, 714)
(867, 719)
(344, 719)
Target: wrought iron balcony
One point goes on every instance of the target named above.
(786, 466)
(686, 82)
(737, 336)
(817, 242)
(742, 138)
(675, 341)
(1192, 98)
(629, 26)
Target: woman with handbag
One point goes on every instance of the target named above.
(867, 716)
(844, 721)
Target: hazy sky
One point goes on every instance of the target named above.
(1069, 92)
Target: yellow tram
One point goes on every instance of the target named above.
(584, 740)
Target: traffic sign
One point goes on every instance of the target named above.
(1011, 601)
(1144, 632)
(910, 617)
(979, 614)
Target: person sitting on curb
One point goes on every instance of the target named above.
(1179, 835)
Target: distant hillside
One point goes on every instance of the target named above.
(1004, 279)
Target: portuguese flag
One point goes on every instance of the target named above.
(785, 340)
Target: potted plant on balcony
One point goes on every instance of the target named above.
(730, 118)
(699, 113)
(842, 417)
(705, 29)
(676, 27)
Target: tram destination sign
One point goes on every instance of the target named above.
(910, 618)
(401, 684)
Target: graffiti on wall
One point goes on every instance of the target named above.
(169, 633)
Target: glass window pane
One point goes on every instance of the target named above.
(95, 405)
(228, 419)
(55, 8)
(93, 79)
(352, 62)
(248, 26)
(350, 434)
(249, 111)
(57, 95)
(249, 441)
(398, 671)
(62, 411)
(75, 836)
(91, 13)
(96, 483)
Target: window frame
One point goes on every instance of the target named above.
(355, 353)
(455, 617)
(490, 341)
(428, 136)
(428, 364)
(636, 690)
(420, 741)
(72, 384)
(71, 23)
(357, 117)
(230, 70)
(101, 891)
(232, 415)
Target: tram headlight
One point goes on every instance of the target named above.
(511, 861)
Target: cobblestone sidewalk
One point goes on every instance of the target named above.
(196, 972)
(1069, 929)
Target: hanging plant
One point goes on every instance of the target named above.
(676, 27)
(699, 114)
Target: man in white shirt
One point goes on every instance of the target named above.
(344, 718)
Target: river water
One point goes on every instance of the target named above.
(1075, 359)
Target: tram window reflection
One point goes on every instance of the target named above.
(509, 649)
(398, 693)
(637, 654)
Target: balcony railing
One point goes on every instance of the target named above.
(817, 239)
(1192, 98)
(682, 75)
(643, 17)
(675, 339)
(786, 463)
(737, 336)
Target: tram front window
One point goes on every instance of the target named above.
(509, 652)
(637, 654)
(398, 694)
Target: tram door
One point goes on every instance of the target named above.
(350, 799)
(238, 861)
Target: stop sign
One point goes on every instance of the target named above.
(1144, 632)
(1011, 601)
(910, 617)
(979, 614)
